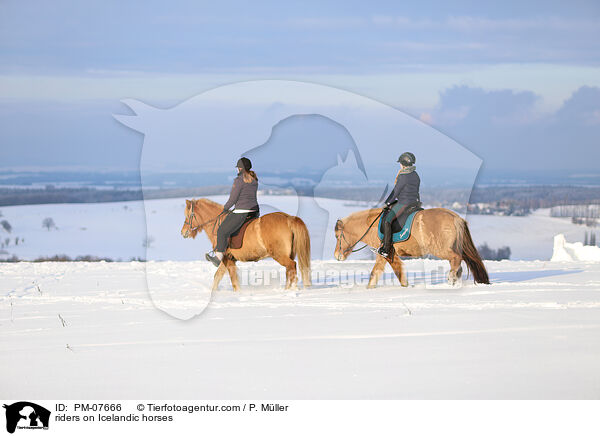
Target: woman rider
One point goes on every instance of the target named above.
(405, 192)
(243, 196)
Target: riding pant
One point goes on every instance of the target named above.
(232, 223)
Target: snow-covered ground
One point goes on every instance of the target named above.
(90, 330)
(118, 230)
(93, 330)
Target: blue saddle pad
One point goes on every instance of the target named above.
(403, 234)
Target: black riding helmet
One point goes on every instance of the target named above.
(244, 163)
(407, 159)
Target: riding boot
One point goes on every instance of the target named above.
(216, 259)
(386, 245)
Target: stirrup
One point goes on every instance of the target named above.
(380, 251)
(212, 258)
(383, 253)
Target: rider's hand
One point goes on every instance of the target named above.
(386, 207)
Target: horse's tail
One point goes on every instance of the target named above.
(465, 247)
(301, 247)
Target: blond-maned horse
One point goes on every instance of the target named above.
(277, 235)
(438, 232)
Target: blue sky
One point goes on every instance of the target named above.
(515, 82)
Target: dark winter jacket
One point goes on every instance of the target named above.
(243, 194)
(406, 189)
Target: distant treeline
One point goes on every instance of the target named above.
(536, 197)
(65, 258)
(488, 253)
(587, 214)
(523, 197)
(14, 197)
(578, 211)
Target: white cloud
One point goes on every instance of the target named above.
(327, 22)
(474, 23)
(435, 46)
(403, 22)
(468, 23)
(411, 87)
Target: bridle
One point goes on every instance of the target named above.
(350, 247)
(191, 217)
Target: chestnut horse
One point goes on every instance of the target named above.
(439, 232)
(277, 235)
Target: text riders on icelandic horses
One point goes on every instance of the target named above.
(243, 236)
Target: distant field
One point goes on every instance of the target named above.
(118, 230)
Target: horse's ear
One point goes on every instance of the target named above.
(338, 225)
(187, 202)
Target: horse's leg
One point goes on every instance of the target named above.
(459, 272)
(455, 268)
(376, 272)
(396, 265)
(218, 276)
(291, 278)
(232, 269)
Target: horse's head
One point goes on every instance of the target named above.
(341, 247)
(191, 222)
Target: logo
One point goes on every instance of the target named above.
(26, 415)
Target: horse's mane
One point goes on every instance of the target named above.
(207, 202)
(361, 215)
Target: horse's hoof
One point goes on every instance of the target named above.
(455, 282)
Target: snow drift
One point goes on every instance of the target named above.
(576, 251)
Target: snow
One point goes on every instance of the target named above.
(91, 330)
(94, 330)
(118, 230)
(529, 237)
(564, 251)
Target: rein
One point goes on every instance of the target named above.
(193, 215)
(349, 249)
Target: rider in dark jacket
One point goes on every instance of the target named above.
(405, 192)
(243, 196)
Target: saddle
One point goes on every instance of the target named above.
(402, 225)
(236, 239)
(398, 223)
